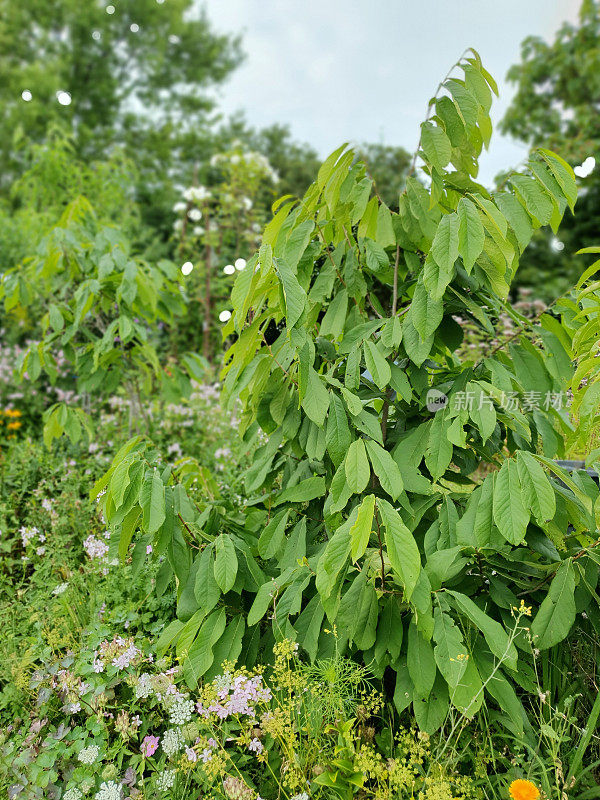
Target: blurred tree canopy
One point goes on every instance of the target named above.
(297, 163)
(137, 78)
(557, 105)
(137, 74)
(388, 166)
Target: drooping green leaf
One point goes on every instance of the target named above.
(510, 513)
(421, 662)
(377, 364)
(272, 537)
(152, 501)
(361, 530)
(226, 562)
(357, 467)
(450, 651)
(535, 199)
(556, 614)
(294, 294)
(471, 235)
(316, 399)
(385, 468)
(497, 638)
(401, 546)
(302, 492)
(436, 145)
(426, 312)
(444, 248)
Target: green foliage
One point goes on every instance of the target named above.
(53, 178)
(218, 227)
(363, 513)
(100, 305)
(557, 91)
(581, 318)
(93, 54)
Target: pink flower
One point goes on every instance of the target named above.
(148, 549)
(149, 745)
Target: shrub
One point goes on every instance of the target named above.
(364, 508)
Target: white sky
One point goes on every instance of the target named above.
(364, 70)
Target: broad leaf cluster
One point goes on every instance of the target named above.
(402, 503)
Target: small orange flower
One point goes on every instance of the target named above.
(523, 790)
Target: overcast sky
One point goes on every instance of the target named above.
(363, 70)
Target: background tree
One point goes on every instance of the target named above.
(388, 167)
(133, 73)
(556, 105)
(296, 163)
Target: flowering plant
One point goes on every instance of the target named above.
(216, 228)
(113, 723)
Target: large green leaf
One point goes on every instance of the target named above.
(556, 615)
(439, 448)
(316, 398)
(302, 492)
(421, 662)
(294, 294)
(361, 530)
(471, 235)
(226, 563)
(436, 145)
(426, 312)
(444, 248)
(206, 589)
(451, 654)
(200, 656)
(535, 199)
(357, 467)
(538, 493)
(152, 501)
(386, 469)
(273, 535)
(510, 513)
(338, 437)
(401, 546)
(377, 364)
(334, 557)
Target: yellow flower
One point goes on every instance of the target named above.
(523, 790)
(13, 426)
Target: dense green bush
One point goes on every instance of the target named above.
(416, 528)
(389, 559)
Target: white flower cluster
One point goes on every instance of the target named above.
(89, 754)
(143, 688)
(258, 160)
(109, 790)
(166, 779)
(180, 710)
(72, 794)
(196, 194)
(27, 534)
(172, 742)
